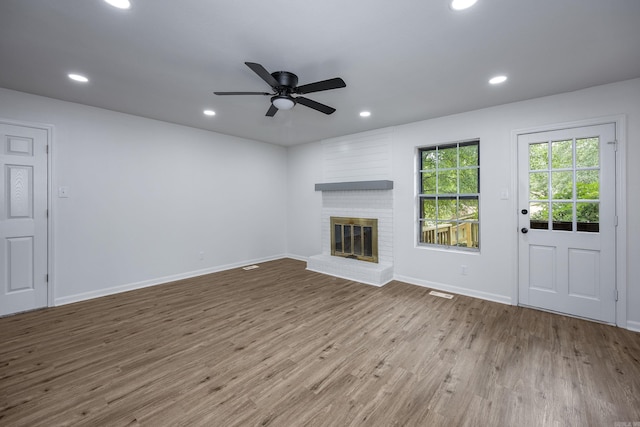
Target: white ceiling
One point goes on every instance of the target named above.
(404, 60)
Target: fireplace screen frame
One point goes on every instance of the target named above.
(358, 244)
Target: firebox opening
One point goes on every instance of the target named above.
(355, 238)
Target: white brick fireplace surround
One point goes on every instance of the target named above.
(351, 200)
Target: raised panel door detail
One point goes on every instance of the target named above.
(584, 273)
(20, 191)
(19, 263)
(19, 146)
(542, 261)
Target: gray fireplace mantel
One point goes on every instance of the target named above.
(355, 186)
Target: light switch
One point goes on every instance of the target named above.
(63, 192)
(504, 194)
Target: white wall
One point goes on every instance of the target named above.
(491, 273)
(146, 197)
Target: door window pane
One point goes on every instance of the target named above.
(562, 216)
(562, 154)
(562, 185)
(539, 156)
(539, 215)
(539, 185)
(588, 216)
(588, 184)
(587, 152)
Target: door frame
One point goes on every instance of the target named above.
(49, 130)
(621, 203)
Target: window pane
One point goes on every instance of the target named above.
(469, 181)
(588, 217)
(468, 155)
(428, 159)
(587, 152)
(538, 185)
(428, 209)
(562, 216)
(448, 182)
(428, 183)
(467, 234)
(444, 233)
(562, 154)
(562, 185)
(448, 157)
(428, 232)
(539, 156)
(468, 209)
(539, 216)
(447, 209)
(588, 184)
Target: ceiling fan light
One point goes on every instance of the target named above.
(283, 102)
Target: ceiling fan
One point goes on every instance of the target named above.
(284, 85)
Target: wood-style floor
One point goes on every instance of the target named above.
(281, 346)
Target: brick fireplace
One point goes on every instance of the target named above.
(372, 200)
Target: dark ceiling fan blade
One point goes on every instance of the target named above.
(272, 111)
(263, 73)
(242, 93)
(315, 105)
(334, 83)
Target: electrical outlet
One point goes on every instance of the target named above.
(463, 270)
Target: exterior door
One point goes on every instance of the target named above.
(23, 218)
(567, 221)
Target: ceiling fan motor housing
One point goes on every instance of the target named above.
(286, 81)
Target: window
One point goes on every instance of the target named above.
(449, 195)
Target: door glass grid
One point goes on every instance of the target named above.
(564, 185)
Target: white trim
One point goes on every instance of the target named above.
(633, 326)
(454, 289)
(158, 281)
(621, 202)
(49, 129)
(296, 257)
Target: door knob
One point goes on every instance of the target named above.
(524, 211)
(524, 230)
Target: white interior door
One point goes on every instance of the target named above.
(23, 218)
(567, 221)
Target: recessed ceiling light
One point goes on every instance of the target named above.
(498, 79)
(209, 113)
(78, 78)
(120, 4)
(462, 4)
(365, 113)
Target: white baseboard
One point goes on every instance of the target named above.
(633, 326)
(297, 257)
(158, 281)
(455, 289)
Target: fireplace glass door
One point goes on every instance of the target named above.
(355, 238)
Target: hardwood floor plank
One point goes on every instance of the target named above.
(282, 346)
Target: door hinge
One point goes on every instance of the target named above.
(616, 294)
(46, 213)
(615, 144)
(615, 221)
(46, 278)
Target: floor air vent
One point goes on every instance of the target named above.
(250, 267)
(440, 294)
